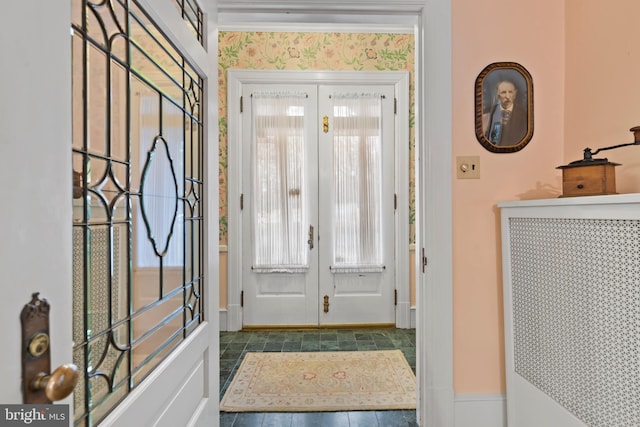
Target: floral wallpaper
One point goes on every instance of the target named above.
(312, 51)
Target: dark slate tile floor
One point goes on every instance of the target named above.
(234, 345)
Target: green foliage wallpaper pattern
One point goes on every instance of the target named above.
(312, 51)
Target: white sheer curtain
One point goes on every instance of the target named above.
(280, 199)
(357, 183)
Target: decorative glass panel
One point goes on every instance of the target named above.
(137, 201)
(280, 196)
(193, 16)
(357, 183)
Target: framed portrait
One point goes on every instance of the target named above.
(504, 107)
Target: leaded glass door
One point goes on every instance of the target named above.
(140, 319)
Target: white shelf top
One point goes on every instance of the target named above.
(573, 201)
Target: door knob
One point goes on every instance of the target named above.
(58, 384)
(39, 384)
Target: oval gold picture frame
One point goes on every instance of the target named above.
(500, 85)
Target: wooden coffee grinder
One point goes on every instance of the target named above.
(592, 177)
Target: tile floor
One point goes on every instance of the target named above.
(234, 345)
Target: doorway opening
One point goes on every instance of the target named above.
(430, 24)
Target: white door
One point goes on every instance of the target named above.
(318, 196)
(280, 267)
(38, 241)
(35, 130)
(357, 208)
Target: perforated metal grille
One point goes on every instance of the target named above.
(576, 314)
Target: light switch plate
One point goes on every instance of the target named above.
(468, 167)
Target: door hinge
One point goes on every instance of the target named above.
(395, 297)
(395, 105)
(325, 124)
(241, 106)
(395, 202)
(241, 201)
(424, 261)
(241, 298)
(326, 303)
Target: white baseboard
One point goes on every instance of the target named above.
(223, 319)
(480, 410)
(412, 315)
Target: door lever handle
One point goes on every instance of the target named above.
(310, 241)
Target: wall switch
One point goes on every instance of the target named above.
(468, 167)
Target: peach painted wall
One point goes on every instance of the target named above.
(531, 34)
(603, 63)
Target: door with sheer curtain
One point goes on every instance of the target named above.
(318, 214)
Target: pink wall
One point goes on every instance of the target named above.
(531, 34)
(603, 84)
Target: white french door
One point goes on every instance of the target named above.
(279, 266)
(357, 208)
(318, 218)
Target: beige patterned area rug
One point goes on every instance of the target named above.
(322, 381)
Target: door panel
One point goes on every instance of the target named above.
(35, 243)
(360, 289)
(158, 135)
(357, 260)
(279, 184)
(37, 246)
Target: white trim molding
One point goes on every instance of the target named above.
(480, 410)
(434, 205)
(413, 317)
(223, 320)
(326, 6)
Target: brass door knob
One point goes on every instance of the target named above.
(59, 384)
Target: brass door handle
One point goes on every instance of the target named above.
(59, 384)
(39, 386)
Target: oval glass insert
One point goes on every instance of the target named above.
(159, 191)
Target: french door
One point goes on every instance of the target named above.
(318, 204)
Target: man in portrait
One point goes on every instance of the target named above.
(507, 122)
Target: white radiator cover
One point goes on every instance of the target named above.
(571, 273)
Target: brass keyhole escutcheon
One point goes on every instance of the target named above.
(39, 344)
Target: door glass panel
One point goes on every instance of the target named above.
(280, 197)
(193, 16)
(357, 182)
(137, 202)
